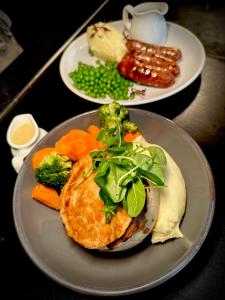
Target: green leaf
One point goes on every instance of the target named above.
(116, 150)
(102, 168)
(156, 175)
(111, 130)
(107, 201)
(113, 189)
(148, 166)
(110, 140)
(102, 134)
(123, 163)
(143, 161)
(101, 181)
(136, 198)
(108, 136)
(96, 153)
(157, 155)
(129, 147)
(109, 207)
(127, 180)
(158, 171)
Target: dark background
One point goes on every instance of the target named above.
(199, 109)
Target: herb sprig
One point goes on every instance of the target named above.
(121, 170)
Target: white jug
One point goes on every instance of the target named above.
(145, 22)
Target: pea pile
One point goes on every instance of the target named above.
(101, 81)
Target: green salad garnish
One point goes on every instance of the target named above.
(124, 170)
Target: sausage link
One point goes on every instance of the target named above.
(132, 69)
(157, 61)
(170, 52)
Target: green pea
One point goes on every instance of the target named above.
(101, 81)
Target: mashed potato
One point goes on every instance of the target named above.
(172, 204)
(106, 42)
(172, 201)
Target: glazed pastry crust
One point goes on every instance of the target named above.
(82, 210)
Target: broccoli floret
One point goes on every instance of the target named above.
(113, 114)
(129, 126)
(54, 170)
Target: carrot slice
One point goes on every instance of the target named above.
(76, 144)
(93, 130)
(39, 155)
(129, 137)
(66, 148)
(46, 195)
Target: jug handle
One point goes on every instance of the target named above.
(128, 9)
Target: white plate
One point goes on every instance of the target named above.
(191, 64)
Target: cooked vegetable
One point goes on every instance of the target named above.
(76, 144)
(53, 170)
(39, 155)
(46, 195)
(129, 126)
(106, 42)
(129, 137)
(122, 170)
(114, 114)
(101, 81)
(93, 130)
(136, 198)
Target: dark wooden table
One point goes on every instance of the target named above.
(199, 109)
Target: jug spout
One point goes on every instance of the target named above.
(151, 7)
(161, 7)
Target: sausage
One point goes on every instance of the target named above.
(169, 52)
(157, 61)
(142, 73)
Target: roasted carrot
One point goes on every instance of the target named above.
(93, 130)
(46, 195)
(76, 144)
(66, 148)
(39, 155)
(129, 137)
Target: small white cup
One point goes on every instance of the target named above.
(145, 22)
(16, 123)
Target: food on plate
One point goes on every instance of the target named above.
(155, 50)
(114, 114)
(52, 165)
(149, 64)
(126, 61)
(39, 155)
(172, 204)
(156, 62)
(47, 195)
(130, 137)
(106, 42)
(53, 170)
(83, 210)
(75, 144)
(101, 81)
(136, 61)
(84, 213)
(144, 73)
(172, 201)
(119, 191)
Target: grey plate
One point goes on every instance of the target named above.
(43, 237)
